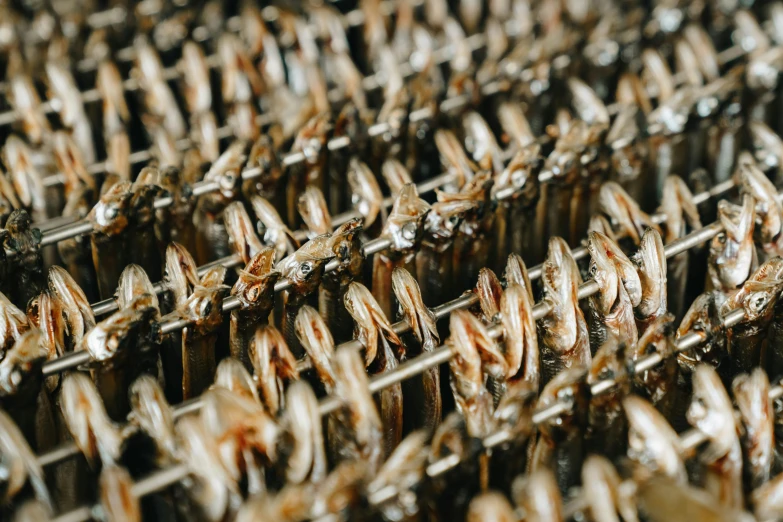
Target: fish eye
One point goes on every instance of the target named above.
(112, 211)
(757, 301)
(306, 268)
(409, 231)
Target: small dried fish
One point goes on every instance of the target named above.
(255, 289)
(711, 412)
(423, 395)
(732, 252)
(564, 332)
(272, 362)
(751, 393)
(375, 332)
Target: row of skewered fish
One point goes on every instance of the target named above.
(243, 363)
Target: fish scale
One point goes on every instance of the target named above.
(516, 120)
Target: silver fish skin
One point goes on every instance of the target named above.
(609, 500)
(374, 331)
(538, 494)
(427, 400)
(490, 506)
(560, 447)
(359, 432)
(564, 332)
(711, 412)
(653, 445)
(307, 461)
(273, 364)
(757, 419)
(732, 253)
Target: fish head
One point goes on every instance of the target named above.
(86, 418)
(263, 155)
(352, 386)
(311, 139)
(312, 332)
(153, 414)
(703, 317)
(520, 176)
(477, 352)
(610, 362)
(712, 413)
(539, 495)
(371, 321)
(366, 194)
(622, 209)
(651, 265)
(255, 285)
(273, 363)
(181, 274)
(241, 231)
(561, 279)
(314, 211)
(658, 337)
(588, 105)
(516, 274)
(22, 362)
(13, 323)
(419, 317)
(453, 156)
(271, 227)
(444, 219)
(570, 391)
(232, 375)
(732, 252)
(404, 226)
(239, 424)
(652, 442)
(134, 282)
(521, 338)
(118, 500)
(73, 301)
(679, 207)
(302, 422)
(141, 206)
(304, 268)
(25, 178)
(395, 175)
(347, 247)
(490, 506)
(604, 491)
(604, 272)
(481, 143)
(489, 291)
(204, 307)
(767, 145)
(110, 216)
(769, 212)
(226, 171)
(751, 394)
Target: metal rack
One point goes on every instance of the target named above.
(164, 478)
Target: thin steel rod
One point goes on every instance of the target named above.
(166, 477)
